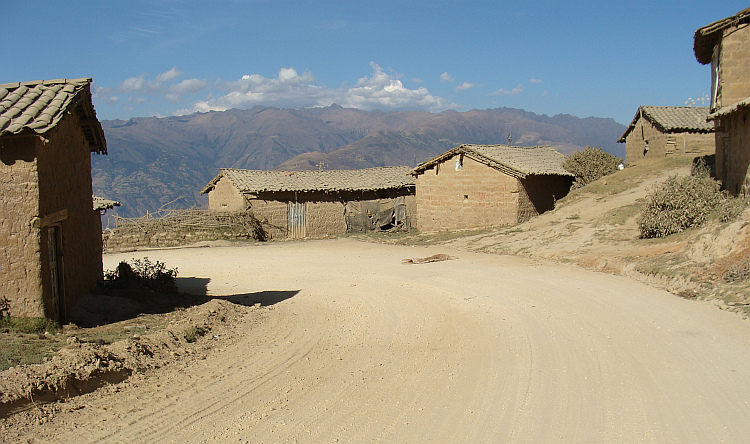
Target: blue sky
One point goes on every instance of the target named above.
(168, 57)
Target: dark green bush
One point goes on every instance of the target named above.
(678, 204)
(590, 165)
(143, 272)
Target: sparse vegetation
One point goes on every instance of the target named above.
(14, 324)
(590, 165)
(193, 333)
(679, 203)
(738, 273)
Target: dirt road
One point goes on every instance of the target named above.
(484, 348)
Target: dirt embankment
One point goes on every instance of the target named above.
(81, 366)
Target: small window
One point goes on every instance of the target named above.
(466, 197)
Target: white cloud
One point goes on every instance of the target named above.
(133, 84)
(446, 78)
(504, 92)
(535, 81)
(169, 75)
(188, 86)
(416, 80)
(291, 89)
(466, 85)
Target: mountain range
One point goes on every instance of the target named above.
(159, 162)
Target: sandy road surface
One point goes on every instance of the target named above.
(479, 349)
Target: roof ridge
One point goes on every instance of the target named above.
(81, 80)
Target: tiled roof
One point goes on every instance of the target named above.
(256, 181)
(705, 38)
(37, 107)
(727, 110)
(101, 203)
(673, 119)
(516, 161)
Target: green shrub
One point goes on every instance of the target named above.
(590, 165)
(143, 272)
(678, 204)
(193, 333)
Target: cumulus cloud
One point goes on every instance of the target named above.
(504, 92)
(535, 81)
(133, 84)
(446, 78)
(292, 89)
(188, 86)
(465, 85)
(288, 88)
(172, 74)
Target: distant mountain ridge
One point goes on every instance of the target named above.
(154, 162)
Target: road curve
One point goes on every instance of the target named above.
(483, 348)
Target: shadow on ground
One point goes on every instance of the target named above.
(108, 306)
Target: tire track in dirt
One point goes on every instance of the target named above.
(480, 349)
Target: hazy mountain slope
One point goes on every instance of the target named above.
(448, 129)
(154, 161)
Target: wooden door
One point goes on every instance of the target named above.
(54, 251)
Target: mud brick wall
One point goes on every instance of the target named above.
(272, 213)
(475, 197)
(733, 153)
(118, 241)
(41, 177)
(64, 164)
(663, 145)
(20, 255)
(325, 218)
(734, 65)
(226, 197)
(732, 131)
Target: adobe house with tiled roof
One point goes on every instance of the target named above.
(725, 44)
(479, 186)
(50, 232)
(298, 204)
(661, 131)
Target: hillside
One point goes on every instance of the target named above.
(154, 162)
(595, 227)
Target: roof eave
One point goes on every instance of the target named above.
(705, 38)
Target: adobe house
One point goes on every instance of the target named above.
(725, 44)
(50, 232)
(661, 131)
(479, 186)
(298, 204)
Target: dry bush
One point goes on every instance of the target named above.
(679, 203)
(590, 165)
